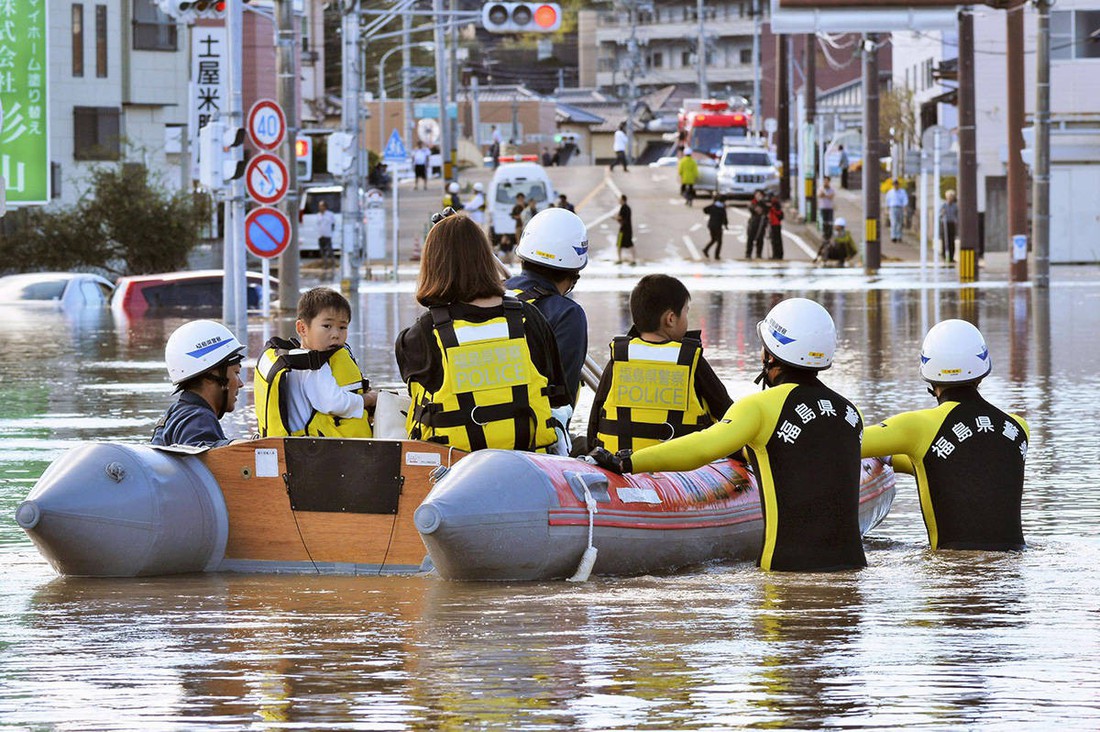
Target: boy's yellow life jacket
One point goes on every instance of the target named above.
(492, 395)
(278, 359)
(652, 395)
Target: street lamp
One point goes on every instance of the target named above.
(427, 46)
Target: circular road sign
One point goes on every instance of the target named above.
(266, 124)
(266, 178)
(266, 232)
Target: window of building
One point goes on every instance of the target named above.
(101, 41)
(78, 39)
(685, 58)
(96, 133)
(746, 55)
(657, 60)
(153, 30)
(1074, 34)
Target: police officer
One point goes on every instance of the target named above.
(450, 198)
(967, 455)
(204, 362)
(553, 250)
(475, 209)
(802, 438)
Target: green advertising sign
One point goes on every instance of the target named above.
(24, 139)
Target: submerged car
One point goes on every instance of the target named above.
(194, 290)
(63, 289)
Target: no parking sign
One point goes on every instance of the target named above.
(266, 232)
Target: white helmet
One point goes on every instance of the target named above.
(954, 352)
(198, 347)
(799, 332)
(687, 151)
(840, 221)
(479, 188)
(452, 187)
(555, 238)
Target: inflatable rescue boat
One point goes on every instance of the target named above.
(350, 506)
(501, 515)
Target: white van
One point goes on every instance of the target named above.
(309, 222)
(530, 179)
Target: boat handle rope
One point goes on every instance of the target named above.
(588, 559)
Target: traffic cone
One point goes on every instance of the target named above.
(416, 251)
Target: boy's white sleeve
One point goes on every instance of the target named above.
(320, 389)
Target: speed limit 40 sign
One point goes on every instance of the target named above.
(266, 124)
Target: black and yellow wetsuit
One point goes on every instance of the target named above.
(482, 377)
(651, 392)
(968, 459)
(803, 440)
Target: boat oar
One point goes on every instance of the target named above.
(591, 373)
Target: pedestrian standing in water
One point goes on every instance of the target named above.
(717, 223)
(775, 227)
(688, 171)
(949, 225)
(896, 201)
(625, 242)
(825, 196)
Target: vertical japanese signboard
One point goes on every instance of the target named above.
(24, 138)
(209, 64)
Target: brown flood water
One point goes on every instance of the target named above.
(946, 641)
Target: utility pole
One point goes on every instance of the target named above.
(452, 88)
(441, 93)
(968, 164)
(756, 106)
(349, 120)
(783, 100)
(234, 292)
(872, 247)
(1017, 175)
(702, 46)
(810, 175)
(631, 73)
(406, 71)
(1040, 221)
(286, 70)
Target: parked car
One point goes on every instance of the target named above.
(527, 178)
(201, 289)
(743, 170)
(309, 218)
(63, 289)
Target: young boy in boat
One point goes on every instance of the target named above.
(803, 441)
(966, 454)
(312, 385)
(204, 362)
(657, 385)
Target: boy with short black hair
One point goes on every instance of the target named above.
(657, 385)
(312, 385)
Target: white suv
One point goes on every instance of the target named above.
(743, 170)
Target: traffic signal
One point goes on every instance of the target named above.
(521, 17)
(220, 154)
(190, 10)
(341, 154)
(303, 153)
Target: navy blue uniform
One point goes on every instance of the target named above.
(567, 319)
(190, 421)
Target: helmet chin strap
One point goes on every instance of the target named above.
(221, 380)
(767, 365)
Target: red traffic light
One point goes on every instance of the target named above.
(547, 16)
(302, 147)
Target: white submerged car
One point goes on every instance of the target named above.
(743, 170)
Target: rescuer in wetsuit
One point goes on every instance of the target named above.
(803, 440)
(482, 369)
(657, 385)
(966, 454)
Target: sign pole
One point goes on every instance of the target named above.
(265, 268)
(396, 229)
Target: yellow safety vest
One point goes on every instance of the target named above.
(492, 395)
(652, 395)
(277, 360)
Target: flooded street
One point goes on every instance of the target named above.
(929, 641)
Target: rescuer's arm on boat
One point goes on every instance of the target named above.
(571, 335)
(711, 391)
(413, 350)
(741, 425)
(905, 437)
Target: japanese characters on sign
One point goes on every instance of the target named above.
(24, 140)
(209, 64)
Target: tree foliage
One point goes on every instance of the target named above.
(125, 224)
